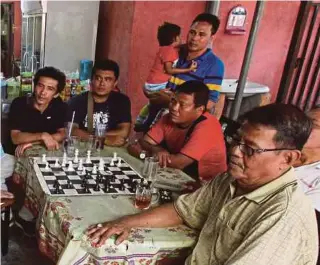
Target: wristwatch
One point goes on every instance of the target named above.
(143, 154)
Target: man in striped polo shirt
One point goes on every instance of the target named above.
(210, 68)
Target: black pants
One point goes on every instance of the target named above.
(19, 195)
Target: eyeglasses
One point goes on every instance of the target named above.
(248, 150)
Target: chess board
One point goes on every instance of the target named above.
(121, 179)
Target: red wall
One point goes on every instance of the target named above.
(130, 38)
(272, 42)
(147, 17)
(114, 36)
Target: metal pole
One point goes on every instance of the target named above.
(246, 61)
(213, 7)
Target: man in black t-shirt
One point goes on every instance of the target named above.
(109, 107)
(39, 118)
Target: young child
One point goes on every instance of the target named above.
(163, 67)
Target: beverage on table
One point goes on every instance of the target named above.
(100, 134)
(143, 196)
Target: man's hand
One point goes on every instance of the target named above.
(21, 148)
(49, 141)
(114, 140)
(163, 157)
(103, 231)
(6, 194)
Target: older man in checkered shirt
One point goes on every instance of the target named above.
(253, 214)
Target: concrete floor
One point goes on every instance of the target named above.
(23, 250)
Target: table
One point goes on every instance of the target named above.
(63, 220)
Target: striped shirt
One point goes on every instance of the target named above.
(210, 71)
(274, 224)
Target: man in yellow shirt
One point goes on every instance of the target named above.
(253, 214)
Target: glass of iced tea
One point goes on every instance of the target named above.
(143, 196)
(100, 135)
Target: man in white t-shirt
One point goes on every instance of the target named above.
(7, 165)
(308, 170)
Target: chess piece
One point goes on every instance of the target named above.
(106, 183)
(113, 178)
(99, 178)
(134, 186)
(47, 166)
(83, 172)
(96, 187)
(80, 166)
(115, 155)
(119, 162)
(107, 189)
(69, 185)
(112, 162)
(56, 191)
(76, 154)
(64, 158)
(94, 170)
(70, 167)
(88, 159)
(101, 164)
(56, 183)
(84, 182)
(86, 188)
(56, 164)
(122, 188)
(44, 160)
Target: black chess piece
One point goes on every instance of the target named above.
(56, 191)
(134, 186)
(69, 185)
(107, 182)
(56, 183)
(86, 188)
(87, 176)
(113, 178)
(99, 178)
(122, 188)
(106, 189)
(84, 182)
(96, 187)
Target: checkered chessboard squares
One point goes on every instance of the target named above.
(113, 173)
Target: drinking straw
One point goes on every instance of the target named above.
(71, 123)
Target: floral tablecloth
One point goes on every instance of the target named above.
(62, 221)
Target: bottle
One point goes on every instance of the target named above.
(3, 86)
(26, 83)
(13, 88)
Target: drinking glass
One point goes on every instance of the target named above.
(143, 196)
(70, 144)
(100, 134)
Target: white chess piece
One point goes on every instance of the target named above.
(83, 171)
(70, 167)
(44, 160)
(56, 164)
(80, 167)
(64, 156)
(76, 154)
(88, 159)
(64, 162)
(119, 162)
(47, 166)
(112, 162)
(101, 164)
(115, 155)
(94, 169)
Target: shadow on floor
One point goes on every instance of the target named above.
(23, 250)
